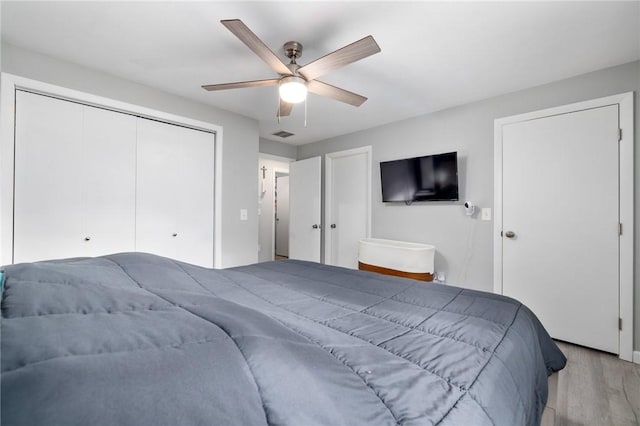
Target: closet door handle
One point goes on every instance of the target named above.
(175, 234)
(87, 238)
(333, 226)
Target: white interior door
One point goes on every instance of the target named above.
(348, 177)
(282, 216)
(109, 181)
(174, 212)
(560, 201)
(48, 179)
(196, 199)
(158, 189)
(75, 179)
(304, 209)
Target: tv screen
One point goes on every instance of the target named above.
(428, 178)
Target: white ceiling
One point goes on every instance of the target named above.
(434, 55)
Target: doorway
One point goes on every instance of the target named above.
(281, 203)
(271, 168)
(563, 193)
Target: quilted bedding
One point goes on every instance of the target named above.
(137, 339)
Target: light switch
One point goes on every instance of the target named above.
(486, 213)
(244, 214)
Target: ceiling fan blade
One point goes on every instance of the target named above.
(341, 57)
(333, 92)
(241, 84)
(240, 30)
(285, 109)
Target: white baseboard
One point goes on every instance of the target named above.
(636, 357)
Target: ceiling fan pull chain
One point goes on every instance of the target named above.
(305, 112)
(279, 103)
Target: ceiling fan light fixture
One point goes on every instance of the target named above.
(293, 89)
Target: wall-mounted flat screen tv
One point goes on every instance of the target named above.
(428, 178)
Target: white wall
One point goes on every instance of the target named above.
(266, 204)
(0, 43)
(240, 144)
(465, 245)
(279, 149)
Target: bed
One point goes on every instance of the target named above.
(137, 339)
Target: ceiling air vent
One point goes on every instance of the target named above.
(282, 134)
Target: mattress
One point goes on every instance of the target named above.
(137, 339)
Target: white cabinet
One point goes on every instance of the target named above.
(91, 181)
(174, 212)
(74, 180)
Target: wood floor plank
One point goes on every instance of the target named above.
(619, 384)
(598, 389)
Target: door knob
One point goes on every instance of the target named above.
(175, 234)
(315, 226)
(509, 234)
(87, 238)
(333, 226)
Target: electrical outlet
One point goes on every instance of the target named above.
(244, 214)
(486, 213)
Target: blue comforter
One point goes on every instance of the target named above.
(136, 339)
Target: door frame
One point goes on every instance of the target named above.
(328, 195)
(263, 156)
(624, 101)
(10, 83)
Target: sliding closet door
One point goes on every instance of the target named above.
(74, 179)
(174, 212)
(109, 181)
(195, 197)
(48, 196)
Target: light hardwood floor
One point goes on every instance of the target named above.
(596, 388)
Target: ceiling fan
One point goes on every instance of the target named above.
(294, 80)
